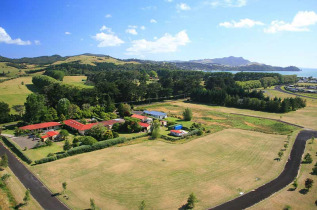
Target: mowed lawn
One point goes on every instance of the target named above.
(14, 93)
(215, 167)
(77, 81)
(295, 199)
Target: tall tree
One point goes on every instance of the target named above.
(35, 108)
(191, 201)
(187, 114)
(64, 185)
(92, 204)
(4, 112)
(63, 107)
(19, 109)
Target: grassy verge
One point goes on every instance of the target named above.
(16, 192)
(294, 198)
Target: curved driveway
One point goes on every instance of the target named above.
(38, 190)
(285, 178)
(278, 88)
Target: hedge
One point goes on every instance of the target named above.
(16, 150)
(83, 149)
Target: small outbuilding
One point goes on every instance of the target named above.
(50, 135)
(178, 133)
(145, 127)
(178, 127)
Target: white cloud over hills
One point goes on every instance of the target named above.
(167, 43)
(107, 38)
(5, 38)
(300, 22)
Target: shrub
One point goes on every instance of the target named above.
(307, 159)
(187, 114)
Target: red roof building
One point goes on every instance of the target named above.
(144, 125)
(142, 118)
(40, 126)
(50, 134)
(176, 131)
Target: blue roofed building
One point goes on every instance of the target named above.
(156, 114)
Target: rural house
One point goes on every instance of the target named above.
(145, 127)
(156, 114)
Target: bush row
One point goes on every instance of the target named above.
(16, 150)
(88, 148)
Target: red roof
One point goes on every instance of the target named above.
(139, 116)
(144, 125)
(81, 127)
(50, 134)
(40, 126)
(78, 126)
(176, 131)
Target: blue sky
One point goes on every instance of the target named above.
(275, 32)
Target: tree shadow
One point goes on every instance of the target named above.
(19, 205)
(56, 194)
(183, 207)
(32, 88)
(291, 189)
(277, 159)
(303, 191)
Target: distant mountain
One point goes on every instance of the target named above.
(228, 61)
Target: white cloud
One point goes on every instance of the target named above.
(37, 42)
(105, 28)
(169, 1)
(165, 44)
(68, 33)
(5, 38)
(301, 21)
(131, 31)
(243, 23)
(108, 39)
(226, 3)
(153, 21)
(142, 27)
(108, 16)
(182, 6)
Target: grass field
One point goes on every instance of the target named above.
(85, 59)
(18, 190)
(216, 168)
(14, 93)
(216, 120)
(77, 81)
(294, 198)
(36, 154)
(15, 71)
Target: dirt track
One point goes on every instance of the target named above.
(286, 177)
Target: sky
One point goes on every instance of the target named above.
(274, 32)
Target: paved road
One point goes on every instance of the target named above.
(278, 88)
(38, 190)
(286, 177)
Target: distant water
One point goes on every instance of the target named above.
(303, 73)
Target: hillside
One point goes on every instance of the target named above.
(228, 61)
(91, 59)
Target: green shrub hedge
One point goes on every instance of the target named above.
(16, 150)
(85, 148)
